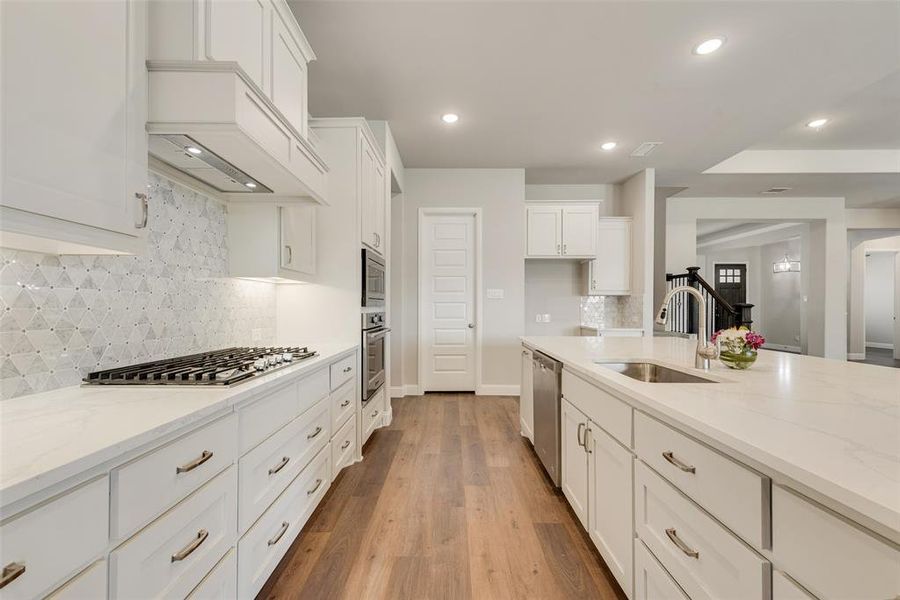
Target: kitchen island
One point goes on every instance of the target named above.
(794, 442)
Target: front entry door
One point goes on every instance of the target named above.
(447, 276)
(731, 283)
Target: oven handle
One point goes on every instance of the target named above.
(377, 335)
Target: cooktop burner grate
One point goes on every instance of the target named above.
(219, 367)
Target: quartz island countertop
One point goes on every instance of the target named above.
(48, 437)
(829, 429)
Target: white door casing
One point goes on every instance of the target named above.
(449, 284)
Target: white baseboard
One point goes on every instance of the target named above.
(498, 390)
(396, 391)
(856, 356)
(784, 347)
(879, 345)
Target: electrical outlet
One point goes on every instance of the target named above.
(538, 318)
(546, 317)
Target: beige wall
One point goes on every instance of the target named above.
(500, 193)
(637, 200)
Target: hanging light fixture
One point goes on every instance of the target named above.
(786, 265)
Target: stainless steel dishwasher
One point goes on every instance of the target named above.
(546, 413)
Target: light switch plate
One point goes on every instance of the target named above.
(494, 294)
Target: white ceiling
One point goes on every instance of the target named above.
(541, 85)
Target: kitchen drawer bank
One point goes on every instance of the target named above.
(706, 524)
(183, 515)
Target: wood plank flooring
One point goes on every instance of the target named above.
(450, 502)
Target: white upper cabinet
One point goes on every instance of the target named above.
(289, 79)
(298, 238)
(561, 231)
(271, 241)
(372, 197)
(73, 92)
(609, 274)
(236, 32)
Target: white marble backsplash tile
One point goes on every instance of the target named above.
(64, 316)
(611, 311)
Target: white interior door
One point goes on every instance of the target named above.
(447, 308)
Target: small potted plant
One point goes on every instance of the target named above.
(738, 346)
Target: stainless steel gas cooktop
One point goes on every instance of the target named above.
(219, 367)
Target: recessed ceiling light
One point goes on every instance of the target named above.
(608, 145)
(250, 185)
(450, 118)
(817, 123)
(194, 150)
(709, 46)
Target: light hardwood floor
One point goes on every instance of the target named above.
(450, 502)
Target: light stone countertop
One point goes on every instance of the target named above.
(829, 429)
(46, 438)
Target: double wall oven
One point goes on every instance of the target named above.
(373, 287)
(374, 342)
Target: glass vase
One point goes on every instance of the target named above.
(738, 360)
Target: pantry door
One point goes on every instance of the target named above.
(448, 326)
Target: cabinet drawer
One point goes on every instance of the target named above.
(168, 558)
(312, 389)
(55, 539)
(372, 413)
(259, 420)
(829, 556)
(343, 447)
(610, 413)
(267, 469)
(784, 588)
(706, 560)
(90, 584)
(221, 583)
(343, 404)
(734, 494)
(651, 580)
(342, 371)
(263, 546)
(149, 485)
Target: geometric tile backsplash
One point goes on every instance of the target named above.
(64, 316)
(612, 311)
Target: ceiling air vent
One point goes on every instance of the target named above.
(645, 148)
(776, 190)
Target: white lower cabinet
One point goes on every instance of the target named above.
(574, 476)
(343, 404)
(706, 560)
(372, 414)
(651, 580)
(45, 545)
(261, 548)
(610, 513)
(526, 396)
(169, 557)
(785, 588)
(90, 584)
(343, 447)
(221, 583)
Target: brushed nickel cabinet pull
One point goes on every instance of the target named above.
(558, 249)
(281, 532)
(670, 456)
(195, 463)
(581, 427)
(347, 369)
(279, 466)
(374, 414)
(673, 535)
(189, 549)
(145, 210)
(345, 404)
(588, 431)
(290, 254)
(11, 572)
(314, 433)
(345, 445)
(315, 487)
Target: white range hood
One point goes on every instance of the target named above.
(208, 119)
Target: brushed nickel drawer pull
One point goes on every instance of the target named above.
(345, 404)
(315, 487)
(673, 535)
(279, 466)
(670, 456)
(284, 528)
(11, 572)
(189, 549)
(374, 414)
(581, 427)
(347, 369)
(345, 445)
(314, 433)
(195, 463)
(588, 432)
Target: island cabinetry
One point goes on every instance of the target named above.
(526, 396)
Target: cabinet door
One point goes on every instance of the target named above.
(651, 580)
(526, 398)
(610, 271)
(369, 235)
(74, 112)
(379, 208)
(544, 231)
(298, 238)
(579, 237)
(575, 461)
(611, 496)
(235, 31)
(289, 80)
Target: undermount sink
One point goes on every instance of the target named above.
(650, 373)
